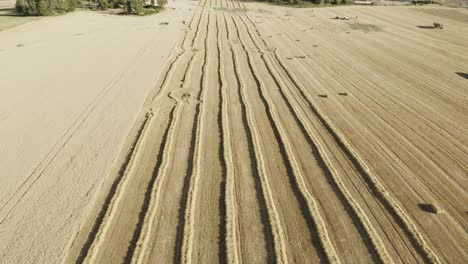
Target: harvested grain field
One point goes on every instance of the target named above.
(284, 135)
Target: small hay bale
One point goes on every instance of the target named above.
(343, 93)
(429, 208)
(164, 23)
(438, 25)
(323, 95)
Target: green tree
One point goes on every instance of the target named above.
(43, 9)
(22, 7)
(71, 5)
(103, 4)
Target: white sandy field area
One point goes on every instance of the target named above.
(71, 88)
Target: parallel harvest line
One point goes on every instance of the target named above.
(146, 209)
(184, 238)
(199, 21)
(144, 243)
(374, 183)
(189, 233)
(288, 98)
(109, 203)
(427, 184)
(269, 213)
(230, 219)
(355, 211)
(278, 231)
(358, 212)
(307, 202)
(308, 133)
(373, 235)
(408, 142)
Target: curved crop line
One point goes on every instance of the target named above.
(343, 194)
(144, 243)
(429, 185)
(373, 182)
(313, 210)
(357, 209)
(97, 227)
(415, 100)
(304, 197)
(151, 200)
(142, 253)
(348, 200)
(407, 142)
(113, 198)
(169, 70)
(359, 212)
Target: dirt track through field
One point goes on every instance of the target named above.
(285, 136)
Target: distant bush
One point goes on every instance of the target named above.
(423, 2)
(138, 6)
(116, 4)
(307, 2)
(162, 3)
(44, 7)
(22, 6)
(71, 5)
(51, 7)
(104, 4)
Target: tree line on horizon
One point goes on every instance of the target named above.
(51, 7)
(318, 2)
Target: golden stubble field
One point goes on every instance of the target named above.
(283, 135)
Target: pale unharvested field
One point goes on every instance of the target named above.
(71, 88)
(281, 135)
